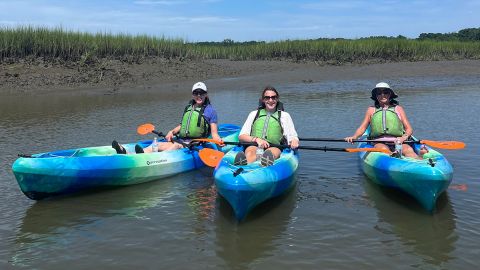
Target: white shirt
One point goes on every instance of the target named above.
(285, 119)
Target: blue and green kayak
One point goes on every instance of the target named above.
(423, 179)
(245, 187)
(68, 171)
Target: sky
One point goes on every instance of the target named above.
(268, 20)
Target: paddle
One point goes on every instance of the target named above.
(449, 145)
(148, 128)
(212, 157)
(324, 148)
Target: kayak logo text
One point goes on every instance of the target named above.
(156, 162)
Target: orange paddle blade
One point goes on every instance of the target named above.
(355, 150)
(450, 145)
(210, 157)
(145, 129)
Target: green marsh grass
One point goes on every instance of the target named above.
(57, 43)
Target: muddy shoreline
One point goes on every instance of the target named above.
(116, 77)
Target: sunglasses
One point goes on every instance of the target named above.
(199, 93)
(270, 97)
(383, 92)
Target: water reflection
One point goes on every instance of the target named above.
(49, 225)
(241, 244)
(432, 237)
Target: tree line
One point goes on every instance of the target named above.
(468, 34)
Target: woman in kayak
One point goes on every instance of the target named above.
(269, 124)
(199, 120)
(387, 121)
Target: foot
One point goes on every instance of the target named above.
(118, 148)
(240, 159)
(267, 159)
(138, 149)
(423, 150)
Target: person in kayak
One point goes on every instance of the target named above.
(387, 121)
(269, 124)
(199, 120)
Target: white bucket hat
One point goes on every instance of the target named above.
(199, 86)
(382, 85)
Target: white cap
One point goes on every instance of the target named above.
(382, 85)
(199, 85)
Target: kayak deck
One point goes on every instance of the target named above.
(245, 187)
(425, 179)
(68, 171)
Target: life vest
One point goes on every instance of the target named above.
(385, 122)
(194, 124)
(268, 126)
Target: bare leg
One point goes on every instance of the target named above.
(381, 146)
(275, 151)
(409, 152)
(251, 154)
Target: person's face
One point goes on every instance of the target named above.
(383, 95)
(199, 96)
(270, 99)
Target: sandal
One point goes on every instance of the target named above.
(240, 159)
(118, 148)
(267, 159)
(138, 149)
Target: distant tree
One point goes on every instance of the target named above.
(228, 41)
(468, 34)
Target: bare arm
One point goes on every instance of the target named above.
(214, 130)
(172, 133)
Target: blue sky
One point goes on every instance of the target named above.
(216, 20)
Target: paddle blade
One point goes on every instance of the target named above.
(449, 145)
(356, 150)
(210, 157)
(145, 129)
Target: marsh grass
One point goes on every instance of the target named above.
(57, 43)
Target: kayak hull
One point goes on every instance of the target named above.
(254, 184)
(69, 171)
(425, 180)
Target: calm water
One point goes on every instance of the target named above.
(333, 219)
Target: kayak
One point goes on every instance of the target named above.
(68, 171)
(245, 187)
(423, 179)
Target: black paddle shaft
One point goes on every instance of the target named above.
(281, 146)
(342, 140)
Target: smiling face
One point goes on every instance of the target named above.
(199, 96)
(383, 95)
(270, 99)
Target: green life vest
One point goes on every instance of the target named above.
(194, 124)
(268, 127)
(385, 122)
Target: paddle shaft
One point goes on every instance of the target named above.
(342, 140)
(324, 148)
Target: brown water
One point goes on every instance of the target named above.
(333, 219)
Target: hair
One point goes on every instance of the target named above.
(205, 102)
(392, 101)
(261, 104)
(270, 88)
